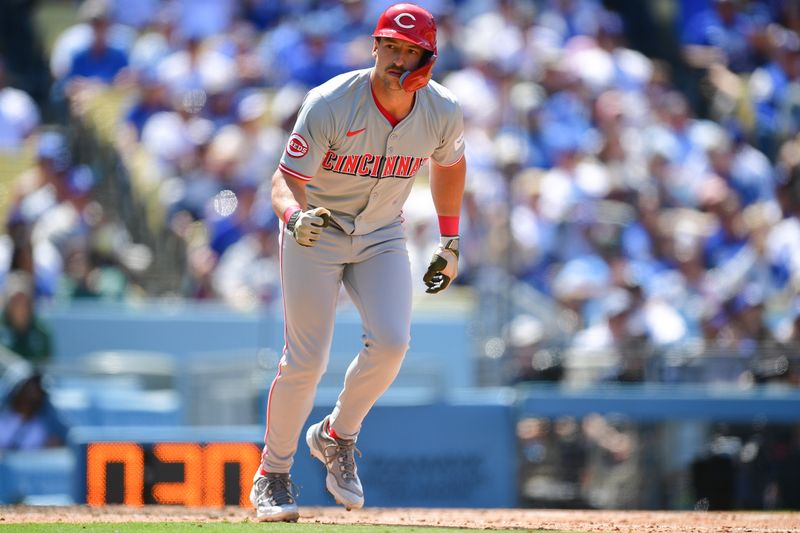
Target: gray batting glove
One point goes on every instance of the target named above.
(444, 266)
(307, 226)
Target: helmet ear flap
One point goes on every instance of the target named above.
(418, 78)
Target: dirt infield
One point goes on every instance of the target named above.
(538, 520)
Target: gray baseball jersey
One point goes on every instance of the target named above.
(359, 163)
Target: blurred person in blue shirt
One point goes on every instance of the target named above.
(569, 18)
(749, 319)
(319, 57)
(28, 421)
(720, 34)
(773, 91)
(100, 61)
(248, 273)
(152, 99)
(226, 227)
(647, 243)
(729, 236)
(157, 41)
(354, 21)
(262, 14)
(744, 168)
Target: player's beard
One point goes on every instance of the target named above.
(390, 82)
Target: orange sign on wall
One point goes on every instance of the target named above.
(203, 480)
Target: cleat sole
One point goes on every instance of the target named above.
(293, 517)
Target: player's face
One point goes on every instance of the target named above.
(393, 57)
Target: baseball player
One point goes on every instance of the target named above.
(348, 167)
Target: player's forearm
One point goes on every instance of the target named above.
(287, 192)
(447, 187)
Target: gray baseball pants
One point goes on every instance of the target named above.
(376, 273)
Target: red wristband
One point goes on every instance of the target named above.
(448, 225)
(289, 211)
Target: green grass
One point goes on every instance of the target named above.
(224, 527)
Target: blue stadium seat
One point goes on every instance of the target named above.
(37, 477)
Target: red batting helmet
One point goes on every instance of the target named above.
(414, 24)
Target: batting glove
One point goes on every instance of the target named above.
(444, 266)
(307, 226)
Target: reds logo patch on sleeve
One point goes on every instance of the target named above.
(297, 146)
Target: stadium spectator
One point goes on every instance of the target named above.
(39, 188)
(156, 41)
(79, 37)
(40, 259)
(28, 420)
(152, 99)
(95, 265)
(67, 96)
(609, 349)
(196, 69)
(260, 142)
(21, 331)
(99, 61)
(248, 273)
(772, 91)
(19, 115)
(728, 237)
(197, 280)
(722, 34)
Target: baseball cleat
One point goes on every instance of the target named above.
(273, 496)
(338, 457)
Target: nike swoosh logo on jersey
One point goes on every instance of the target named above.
(355, 132)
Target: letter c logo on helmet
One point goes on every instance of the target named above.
(406, 26)
(414, 24)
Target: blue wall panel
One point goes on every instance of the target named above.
(428, 456)
(185, 329)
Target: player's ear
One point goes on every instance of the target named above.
(375, 43)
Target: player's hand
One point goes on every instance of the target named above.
(307, 226)
(444, 266)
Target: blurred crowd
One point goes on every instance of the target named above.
(653, 200)
(610, 462)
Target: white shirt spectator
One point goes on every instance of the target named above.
(169, 137)
(149, 49)
(47, 262)
(19, 117)
(783, 247)
(213, 72)
(247, 273)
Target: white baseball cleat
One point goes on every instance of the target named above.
(273, 496)
(338, 457)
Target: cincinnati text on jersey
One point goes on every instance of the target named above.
(372, 165)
